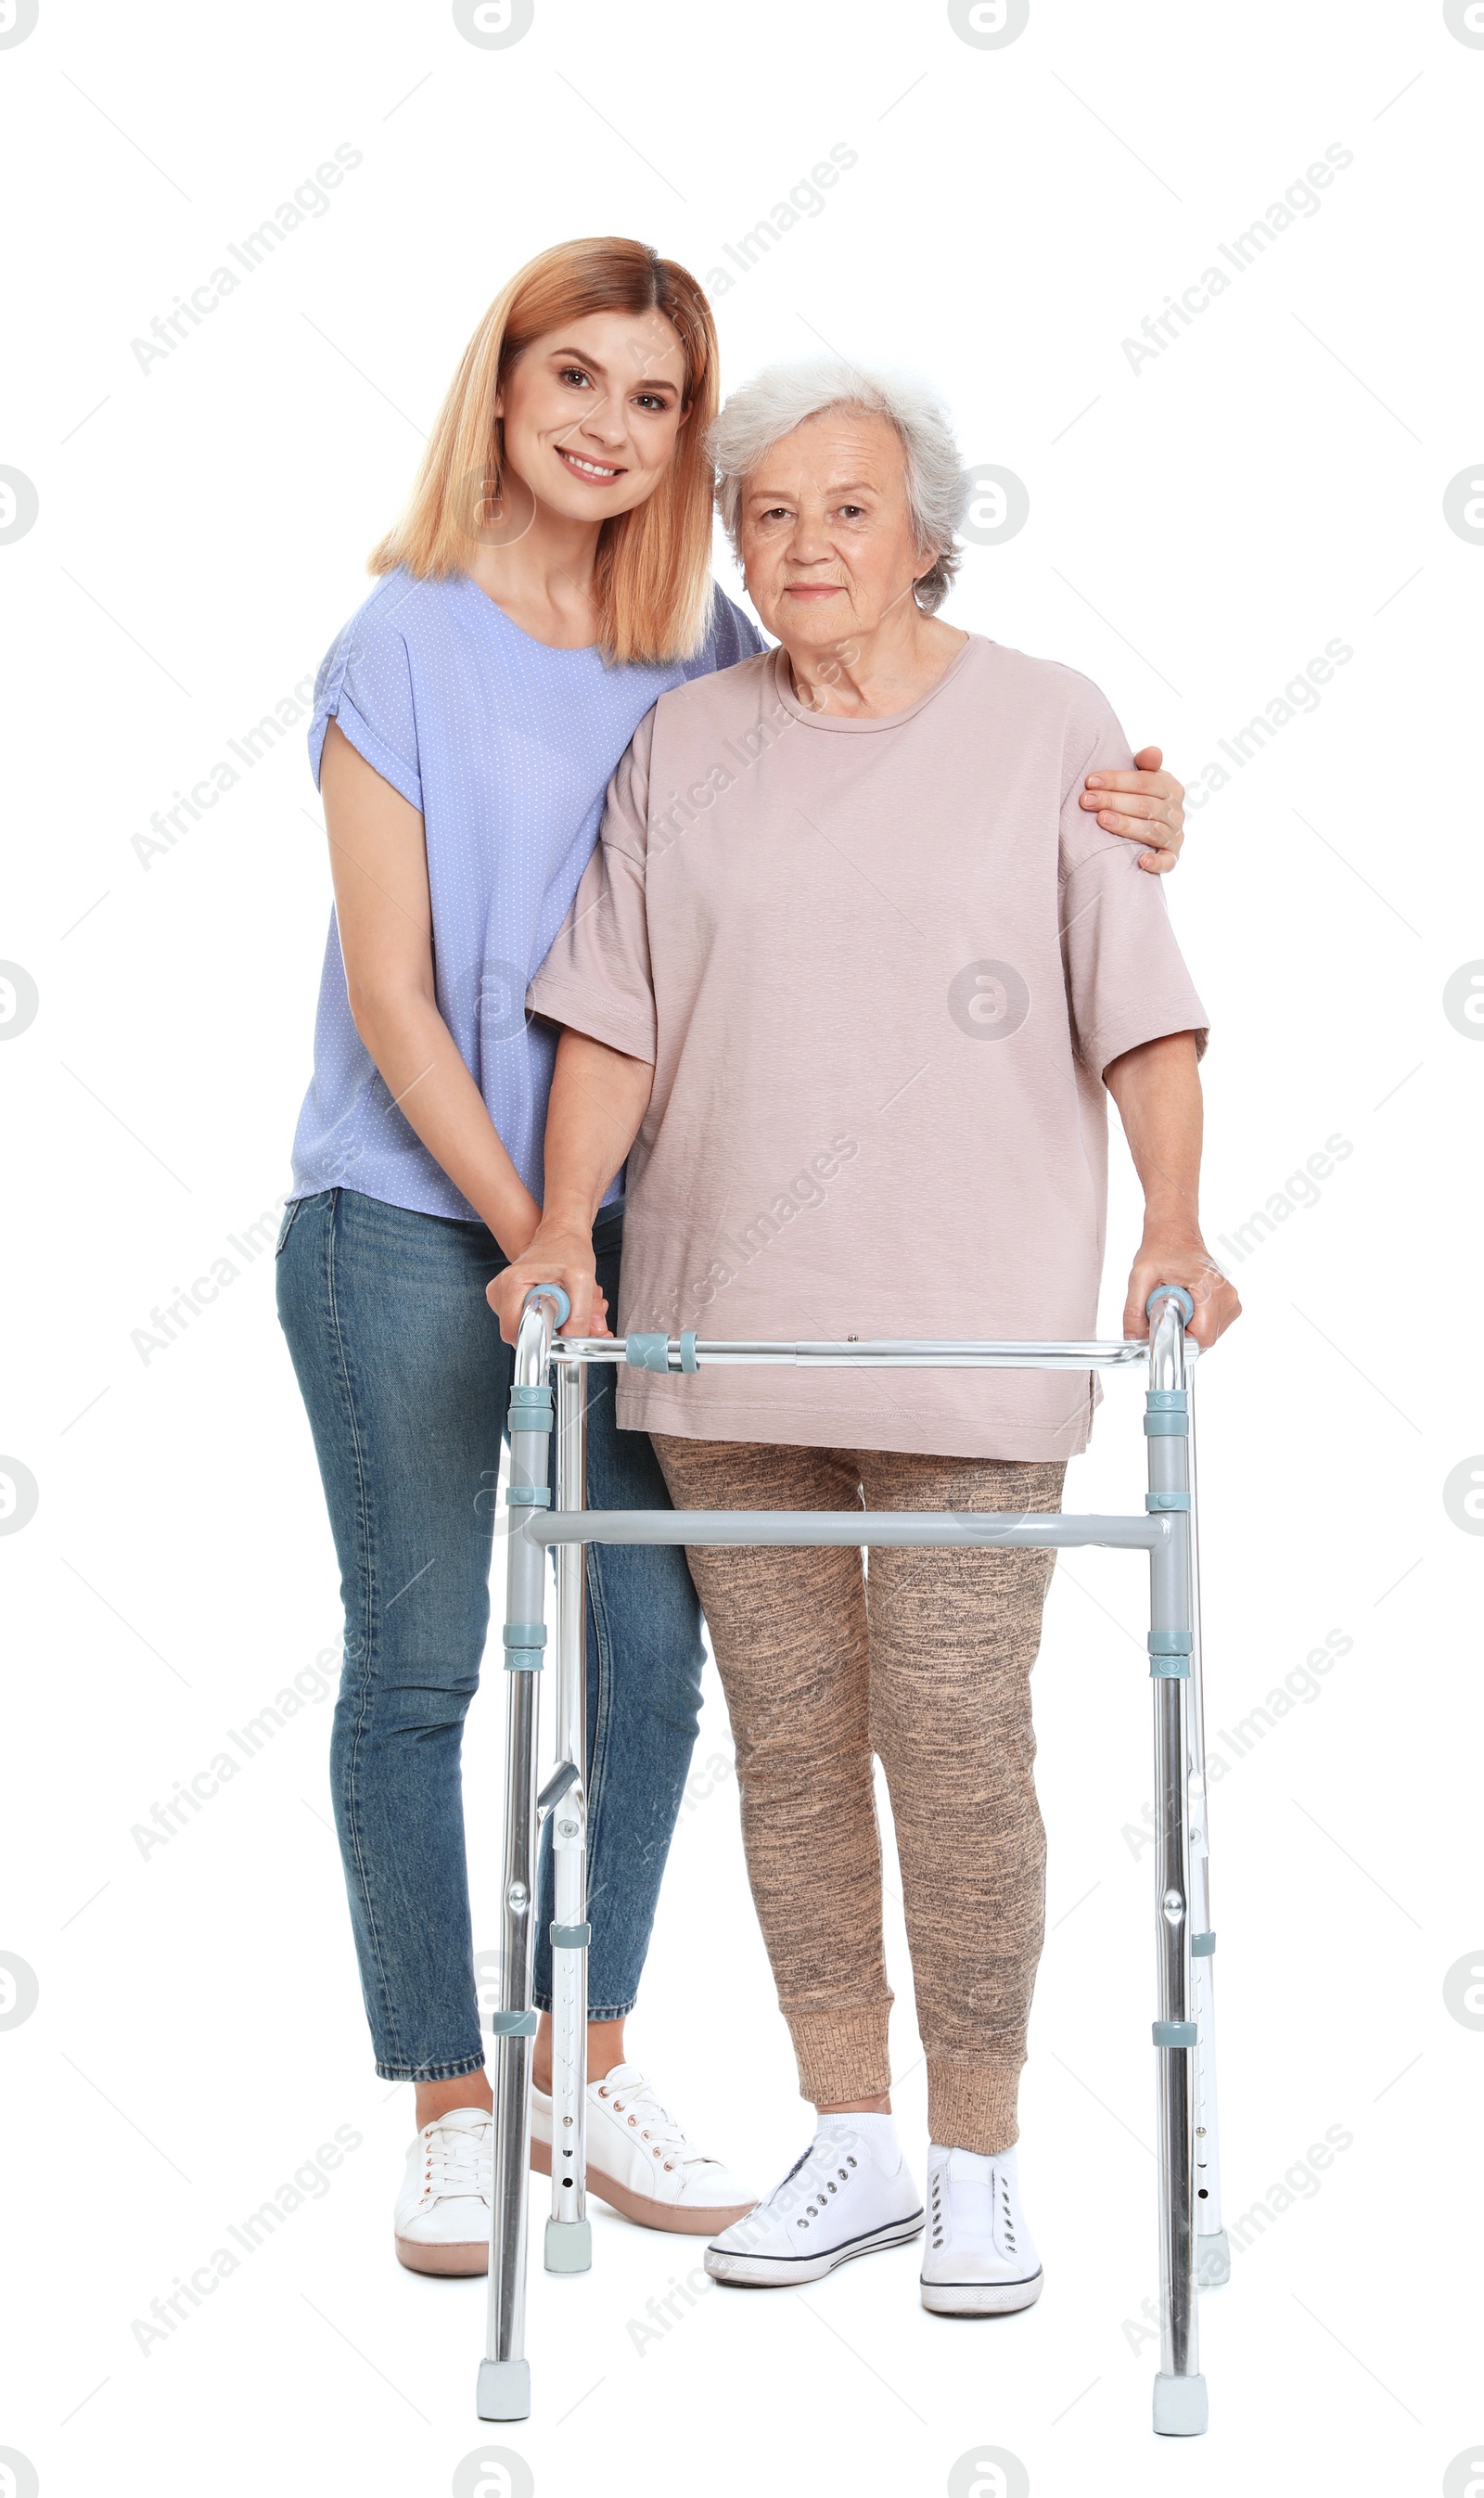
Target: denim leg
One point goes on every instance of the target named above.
(406, 1381)
(644, 1689)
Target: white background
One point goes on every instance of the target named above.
(1199, 528)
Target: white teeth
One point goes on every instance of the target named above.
(589, 467)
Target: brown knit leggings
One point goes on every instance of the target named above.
(927, 1664)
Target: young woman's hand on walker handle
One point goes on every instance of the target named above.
(598, 1098)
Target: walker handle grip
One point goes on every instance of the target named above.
(550, 1293)
(1171, 1291)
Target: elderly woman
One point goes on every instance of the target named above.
(848, 980)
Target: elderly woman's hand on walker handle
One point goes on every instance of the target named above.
(1157, 1088)
(1188, 1264)
(557, 1255)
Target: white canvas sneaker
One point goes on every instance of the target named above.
(640, 2160)
(442, 2220)
(850, 2195)
(979, 2257)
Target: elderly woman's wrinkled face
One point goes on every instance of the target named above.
(826, 537)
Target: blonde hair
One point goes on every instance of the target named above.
(653, 577)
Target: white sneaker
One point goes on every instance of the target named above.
(443, 2218)
(640, 2161)
(850, 2193)
(979, 2258)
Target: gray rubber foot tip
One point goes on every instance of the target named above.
(1214, 2261)
(504, 2389)
(1181, 2407)
(569, 2246)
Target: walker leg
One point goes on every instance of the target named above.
(1179, 2388)
(1214, 2262)
(505, 2374)
(568, 2231)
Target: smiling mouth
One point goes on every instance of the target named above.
(590, 469)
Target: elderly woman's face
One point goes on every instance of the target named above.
(827, 543)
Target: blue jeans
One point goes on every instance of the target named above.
(406, 1382)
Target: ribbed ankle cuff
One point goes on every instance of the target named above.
(842, 2055)
(972, 2102)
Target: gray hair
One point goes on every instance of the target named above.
(784, 396)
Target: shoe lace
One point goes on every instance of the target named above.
(636, 2104)
(456, 2160)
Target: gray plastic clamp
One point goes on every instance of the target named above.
(1174, 2034)
(531, 1409)
(1169, 1652)
(571, 1937)
(513, 2024)
(1202, 1946)
(1167, 1413)
(688, 1360)
(647, 1352)
(527, 1496)
(1154, 1501)
(523, 1645)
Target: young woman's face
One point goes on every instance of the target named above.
(592, 413)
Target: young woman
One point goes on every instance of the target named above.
(547, 585)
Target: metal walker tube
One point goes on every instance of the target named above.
(568, 2231)
(1214, 2262)
(1167, 1532)
(505, 2374)
(1179, 2388)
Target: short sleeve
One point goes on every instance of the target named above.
(597, 977)
(1126, 978)
(366, 684)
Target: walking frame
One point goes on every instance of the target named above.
(1192, 2243)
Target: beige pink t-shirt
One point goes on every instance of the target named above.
(879, 966)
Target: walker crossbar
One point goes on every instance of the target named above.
(854, 1526)
(1192, 2244)
(688, 1352)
